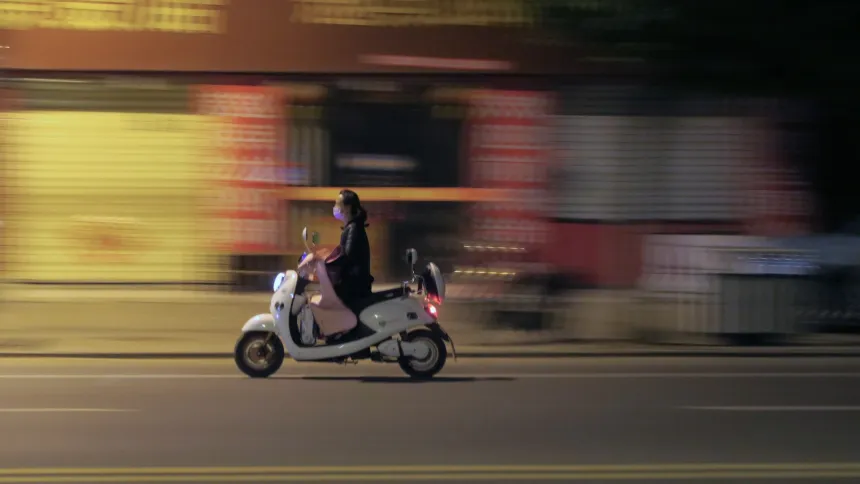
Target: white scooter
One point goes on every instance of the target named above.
(393, 326)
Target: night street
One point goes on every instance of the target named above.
(577, 420)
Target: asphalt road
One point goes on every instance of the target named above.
(757, 420)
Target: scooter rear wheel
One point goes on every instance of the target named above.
(433, 364)
(258, 355)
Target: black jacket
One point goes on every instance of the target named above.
(354, 263)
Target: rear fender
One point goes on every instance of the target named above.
(261, 322)
(437, 329)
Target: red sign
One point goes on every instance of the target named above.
(510, 149)
(251, 142)
(781, 203)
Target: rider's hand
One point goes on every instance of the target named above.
(306, 265)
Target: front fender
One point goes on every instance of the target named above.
(261, 322)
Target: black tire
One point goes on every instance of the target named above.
(273, 354)
(425, 369)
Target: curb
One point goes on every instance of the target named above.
(730, 353)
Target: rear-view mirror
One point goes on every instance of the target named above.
(411, 257)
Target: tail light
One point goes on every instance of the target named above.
(431, 310)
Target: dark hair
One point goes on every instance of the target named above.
(351, 199)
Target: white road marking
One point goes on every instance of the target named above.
(779, 408)
(119, 376)
(347, 375)
(65, 410)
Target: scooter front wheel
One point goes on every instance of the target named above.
(259, 354)
(435, 361)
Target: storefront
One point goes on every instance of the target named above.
(188, 172)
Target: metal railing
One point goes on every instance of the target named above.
(731, 286)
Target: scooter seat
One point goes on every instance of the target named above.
(356, 333)
(376, 298)
(342, 337)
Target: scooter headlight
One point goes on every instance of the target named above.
(279, 279)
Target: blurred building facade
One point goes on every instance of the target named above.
(188, 141)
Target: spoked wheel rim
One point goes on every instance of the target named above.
(259, 354)
(432, 358)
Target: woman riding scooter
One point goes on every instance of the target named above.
(349, 265)
(346, 273)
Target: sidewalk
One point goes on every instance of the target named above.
(170, 322)
(216, 350)
(150, 320)
(53, 318)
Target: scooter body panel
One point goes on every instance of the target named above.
(395, 315)
(282, 299)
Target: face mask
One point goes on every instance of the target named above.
(337, 213)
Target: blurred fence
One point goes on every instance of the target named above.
(730, 286)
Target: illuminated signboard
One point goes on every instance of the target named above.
(263, 35)
(177, 16)
(209, 16)
(405, 13)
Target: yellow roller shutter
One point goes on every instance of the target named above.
(103, 191)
